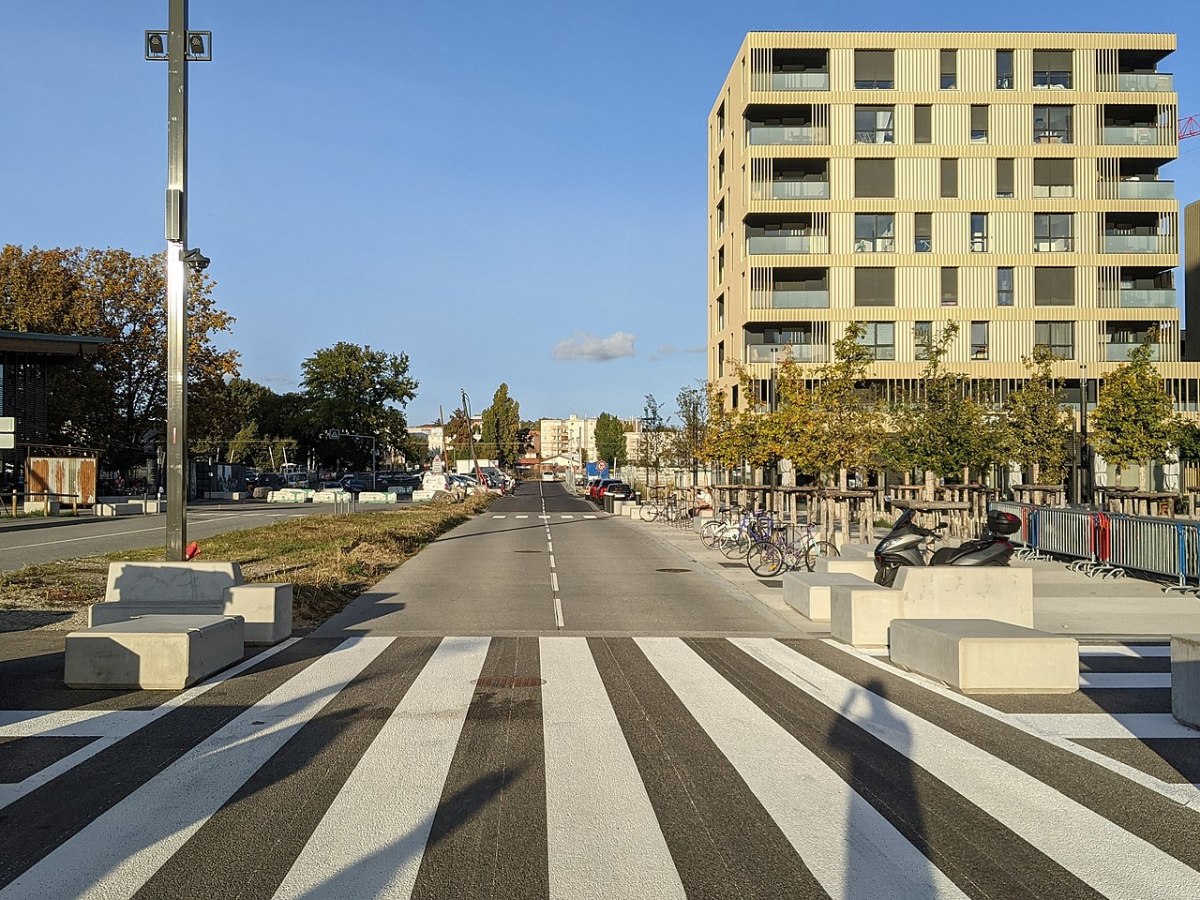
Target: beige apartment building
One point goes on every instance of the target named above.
(1011, 182)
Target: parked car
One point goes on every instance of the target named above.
(596, 491)
(618, 490)
(355, 484)
(547, 476)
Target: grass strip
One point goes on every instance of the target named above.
(329, 559)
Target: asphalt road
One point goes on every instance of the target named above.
(533, 708)
(26, 542)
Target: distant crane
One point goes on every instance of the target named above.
(1189, 127)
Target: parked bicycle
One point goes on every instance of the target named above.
(779, 553)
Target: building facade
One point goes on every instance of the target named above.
(1010, 182)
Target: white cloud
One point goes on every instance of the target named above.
(591, 348)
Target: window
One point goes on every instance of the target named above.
(923, 232)
(1004, 178)
(881, 338)
(721, 123)
(1004, 286)
(949, 177)
(1053, 286)
(979, 232)
(1052, 124)
(923, 124)
(874, 178)
(979, 340)
(721, 313)
(721, 266)
(874, 69)
(1053, 232)
(1004, 70)
(1053, 178)
(720, 219)
(922, 340)
(1058, 336)
(949, 286)
(733, 396)
(721, 171)
(949, 69)
(979, 124)
(874, 233)
(721, 360)
(874, 287)
(1052, 69)
(874, 125)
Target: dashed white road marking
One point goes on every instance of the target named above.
(521, 517)
(1091, 726)
(1125, 680)
(1142, 651)
(499, 517)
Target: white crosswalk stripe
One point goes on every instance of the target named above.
(605, 835)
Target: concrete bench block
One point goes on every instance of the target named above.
(160, 581)
(967, 592)
(1185, 678)
(984, 656)
(266, 609)
(832, 565)
(161, 653)
(117, 509)
(810, 593)
(861, 616)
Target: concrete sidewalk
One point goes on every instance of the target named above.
(1064, 602)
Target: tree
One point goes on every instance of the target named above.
(1134, 422)
(691, 404)
(358, 390)
(654, 439)
(116, 400)
(457, 435)
(610, 439)
(501, 428)
(1037, 423)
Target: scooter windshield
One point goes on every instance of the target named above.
(905, 518)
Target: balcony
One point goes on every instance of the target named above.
(1138, 135)
(1120, 352)
(787, 243)
(789, 299)
(1145, 190)
(1149, 298)
(799, 81)
(763, 135)
(1053, 245)
(799, 190)
(1149, 81)
(1135, 243)
(801, 353)
(875, 245)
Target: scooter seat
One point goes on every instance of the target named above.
(945, 556)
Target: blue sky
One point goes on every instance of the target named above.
(503, 193)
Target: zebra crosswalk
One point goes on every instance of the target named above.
(614, 767)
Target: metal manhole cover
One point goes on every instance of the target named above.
(509, 681)
(672, 571)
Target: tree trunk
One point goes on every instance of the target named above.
(843, 476)
(1035, 473)
(1143, 477)
(930, 485)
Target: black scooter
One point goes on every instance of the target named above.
(905, 546)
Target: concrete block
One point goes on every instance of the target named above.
(863, 568)
(265, 608)
(861, 616)
(329, 496)
(810, 593)
(164, 653)
(117, 509)
(161, 581)
(984, 656)
(291, 495)
(377, 497)
(1185, 678)
(38, 507)
(967, 592)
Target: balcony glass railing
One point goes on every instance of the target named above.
(1149, 297)
(1145, 190)
(875, 136)
(1133, 243)
(799, 81)
(799, 190)
(1053, 245)
(788, 299)
(1120, 352)
(1149, 81)
(788, 134)
(875, 245)
(787, 243)
(1143, 135)
(804, 353)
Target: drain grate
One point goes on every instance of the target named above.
(672, 571)
(509, 681)
(527, 551)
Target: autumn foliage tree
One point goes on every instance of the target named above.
(1037, 424)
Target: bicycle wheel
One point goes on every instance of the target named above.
(649, 511)
(764, 559)
(734, 546)
(819, 550)
(710, 534)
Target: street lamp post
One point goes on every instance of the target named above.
(1085, 469)
(177, 46)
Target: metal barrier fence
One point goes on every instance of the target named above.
(1109, 544)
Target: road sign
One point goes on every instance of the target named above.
(601, 467)
(8, 425)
